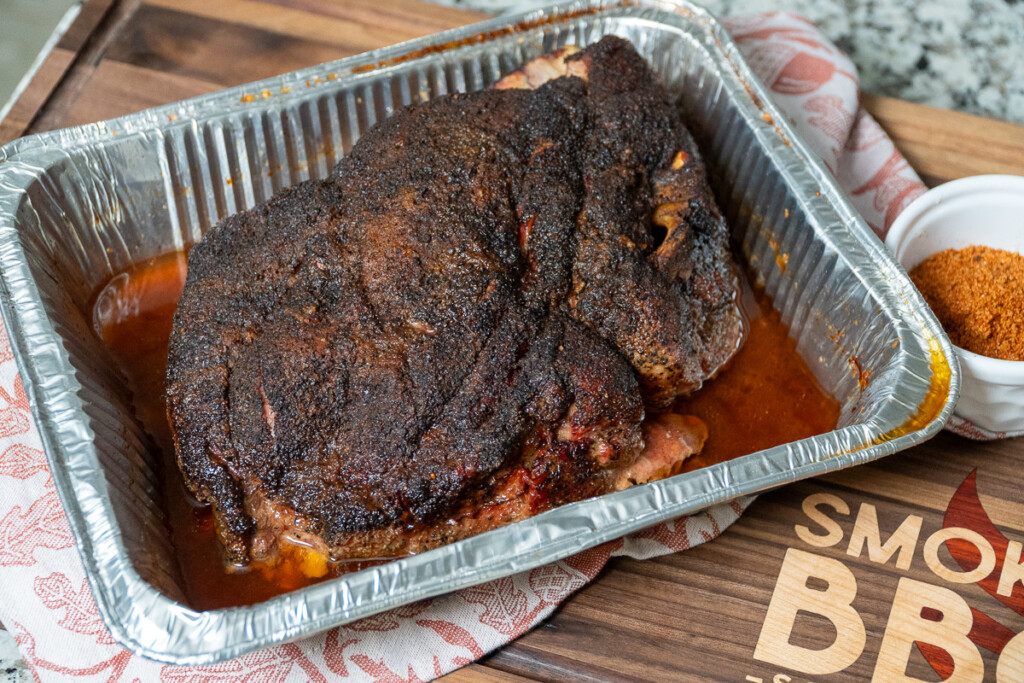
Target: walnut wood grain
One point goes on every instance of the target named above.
(693, 616)
(943, 145)
(476, 673)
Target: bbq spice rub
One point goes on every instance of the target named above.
(977, 293)
(464, 326)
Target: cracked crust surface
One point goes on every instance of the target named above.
(462, 326)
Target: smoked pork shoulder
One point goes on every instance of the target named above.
(465, 325)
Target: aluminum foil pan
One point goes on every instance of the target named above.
(79, 205)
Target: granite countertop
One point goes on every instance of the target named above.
(966, 55)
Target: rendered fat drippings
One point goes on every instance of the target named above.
(765, 396)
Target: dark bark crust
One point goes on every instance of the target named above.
(489, 284)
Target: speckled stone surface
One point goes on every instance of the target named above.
(12, 666)
(966, 55)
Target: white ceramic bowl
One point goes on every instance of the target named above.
(983, 210)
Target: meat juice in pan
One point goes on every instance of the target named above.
(619, 246)
(764, 397)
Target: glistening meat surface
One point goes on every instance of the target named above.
(461, 327)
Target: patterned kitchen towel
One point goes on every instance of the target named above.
(46, 602)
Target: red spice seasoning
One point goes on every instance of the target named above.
(977, 294)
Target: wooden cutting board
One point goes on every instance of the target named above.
(832, 579)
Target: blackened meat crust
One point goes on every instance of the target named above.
(461, 326)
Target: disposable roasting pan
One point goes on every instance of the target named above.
(80, 205)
